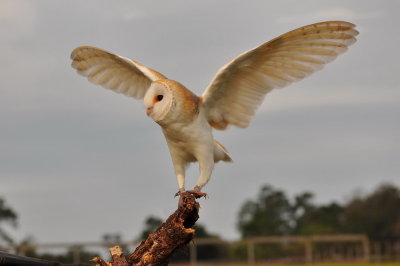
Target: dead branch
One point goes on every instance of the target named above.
(172, 235)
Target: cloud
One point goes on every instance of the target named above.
(126, 14)
(299, 96)
(62, 137)
(137, 11)
(17, 20)
(338, 13)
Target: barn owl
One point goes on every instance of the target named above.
(232, 98)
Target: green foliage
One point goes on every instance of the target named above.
(268, 215)
(201, 232)
(67, 257)
(328, 219)
(150, 225)
(7, 215)
(208, 252)
(273, 213)
(377, 215)
(27, 248)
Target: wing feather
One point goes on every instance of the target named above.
(240, 86)
(113, 72)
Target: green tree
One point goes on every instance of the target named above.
(27, 248)
(7, 215)
(150, 225)
(309, 218)
(211, 251)
(67, 257)
(270, 214)
(377, 215)
(325, 219)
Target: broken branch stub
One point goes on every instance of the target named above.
(173, 234)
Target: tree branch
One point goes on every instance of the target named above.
(172, 235)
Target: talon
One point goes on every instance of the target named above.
(197, 193)
(179, 193)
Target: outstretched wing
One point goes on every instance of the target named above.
(113, 72)
(240, 86)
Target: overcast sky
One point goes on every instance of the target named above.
(77, 160)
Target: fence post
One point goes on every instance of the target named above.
(76, 254)
(308, 250)
(250, 252)
(366, 249)
(20, 251)
(193, 254)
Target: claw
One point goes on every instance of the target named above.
(197, 193)
(180, 191)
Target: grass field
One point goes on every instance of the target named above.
(316, 264)
(324, 264)
(346, 264)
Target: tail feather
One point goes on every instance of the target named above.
(221, 153)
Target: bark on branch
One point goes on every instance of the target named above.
(173, 234)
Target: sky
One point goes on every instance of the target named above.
(78, 161)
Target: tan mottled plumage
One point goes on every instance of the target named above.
(232, 97)
(239, 87)
(113, 72)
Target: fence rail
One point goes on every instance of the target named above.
(308, 249)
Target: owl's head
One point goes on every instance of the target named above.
(158, 101)
(167, 101)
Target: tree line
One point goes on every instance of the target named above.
(273, 213)
(270, 213)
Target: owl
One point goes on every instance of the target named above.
(232, 97)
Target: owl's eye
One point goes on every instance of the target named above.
(160, 97)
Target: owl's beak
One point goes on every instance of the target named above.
(149, 110)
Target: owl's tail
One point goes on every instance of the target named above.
(220, 153)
